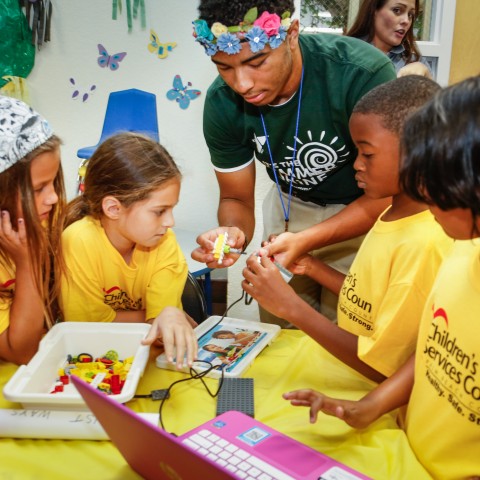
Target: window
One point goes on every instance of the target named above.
(433, 27)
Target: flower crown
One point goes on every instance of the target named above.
(269, 29)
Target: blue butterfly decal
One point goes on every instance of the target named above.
(110, 61)
(161, 49)
(181, 93)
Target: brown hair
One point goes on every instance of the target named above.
(364, 28)
(43, 242)
(128, 166)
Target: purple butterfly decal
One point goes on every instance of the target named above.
(181, 93)
(76, 92)
(110, 61)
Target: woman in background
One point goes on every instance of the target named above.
(388, 25)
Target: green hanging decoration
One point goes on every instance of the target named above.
(39, 17)
(17, 55)
(132, 11)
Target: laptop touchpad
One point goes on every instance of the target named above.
(295, 456)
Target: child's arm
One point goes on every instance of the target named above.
(393, 393)
(354, 220)
(265, 284)
(19, 342)
(176, 332)
(130, 316)
(319, 271)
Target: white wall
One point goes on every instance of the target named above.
(77, 27)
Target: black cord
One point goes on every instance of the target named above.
(248, 301)
(194, 375)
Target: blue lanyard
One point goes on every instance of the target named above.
(286, 210)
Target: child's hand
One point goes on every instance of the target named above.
(302, 265)
(357, 414)
(13, 242)
(177, 333)
(284, 248)
(204, 253)
(264, 282)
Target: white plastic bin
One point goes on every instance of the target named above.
(32, 383)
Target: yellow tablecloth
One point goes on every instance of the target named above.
(292, 361)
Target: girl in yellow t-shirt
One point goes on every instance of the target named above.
(441, 381)
(123, 261)
(32, 200)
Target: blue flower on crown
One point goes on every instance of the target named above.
(276, 40)
(210, 47)
(229, 43)
(257, 39)
(201, 30)
(204, 36)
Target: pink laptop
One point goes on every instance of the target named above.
(232, 445)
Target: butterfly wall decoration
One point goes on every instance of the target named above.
(161, 49)
(111, 61)
(85, 95)
(182, 93)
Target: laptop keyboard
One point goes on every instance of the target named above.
(232, 458)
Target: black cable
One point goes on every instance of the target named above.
(193, 376)
(248, 301)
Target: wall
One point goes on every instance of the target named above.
(77, 28)
(466, 41)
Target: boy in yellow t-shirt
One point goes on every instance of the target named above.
(382, 297)
(441, 382)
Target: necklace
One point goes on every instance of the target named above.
(286, 210)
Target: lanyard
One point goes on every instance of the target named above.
(286, 210)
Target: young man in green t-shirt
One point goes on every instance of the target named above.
(285, 99)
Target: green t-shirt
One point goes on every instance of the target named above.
(338, 71)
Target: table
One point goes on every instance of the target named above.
(187, 241)
(292, 361)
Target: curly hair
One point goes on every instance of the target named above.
(364, 28)
(441, 145)
(233, 12)
(395, 100)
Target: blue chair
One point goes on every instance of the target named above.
(127, 111)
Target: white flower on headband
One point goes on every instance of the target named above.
(218, 29)
(286, 22)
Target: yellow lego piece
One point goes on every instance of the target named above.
(218, 247)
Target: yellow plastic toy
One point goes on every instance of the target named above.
(219, 247)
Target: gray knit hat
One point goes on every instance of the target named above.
(22, 130)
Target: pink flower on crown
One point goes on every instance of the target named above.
(270, 22)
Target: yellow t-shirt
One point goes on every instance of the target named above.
(99, 282)
(443, 415)
(383, 295)
(7, 284)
